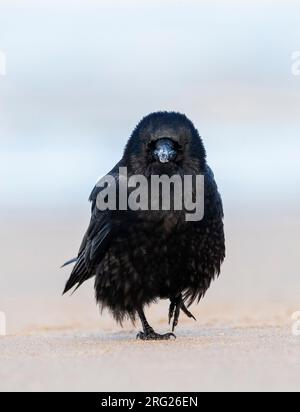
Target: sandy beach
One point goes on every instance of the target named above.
(220, 352)
(242, 340)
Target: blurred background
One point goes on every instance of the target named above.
(79, 77)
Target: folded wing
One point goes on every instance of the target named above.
(94, 245)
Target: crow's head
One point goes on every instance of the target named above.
(165, 143)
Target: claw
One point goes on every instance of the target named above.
(155, 336)
(187, 312)
(176, 305)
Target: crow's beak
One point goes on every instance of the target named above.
(165, 150)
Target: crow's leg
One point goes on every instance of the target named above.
(176, 312)
(149, 333)
(176, 305)
(172, 310)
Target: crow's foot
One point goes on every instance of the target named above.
(187, 312)
(151, 335)
(176, 305)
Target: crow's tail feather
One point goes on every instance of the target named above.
(69, 262)
(78, 276)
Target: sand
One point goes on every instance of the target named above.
(242, 340)
(220, 353)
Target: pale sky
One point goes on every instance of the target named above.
(81, 74)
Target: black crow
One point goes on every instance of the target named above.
(138, 257)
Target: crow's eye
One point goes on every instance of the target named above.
(151, 145)
(178, 147)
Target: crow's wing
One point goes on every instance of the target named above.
(95, 242)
